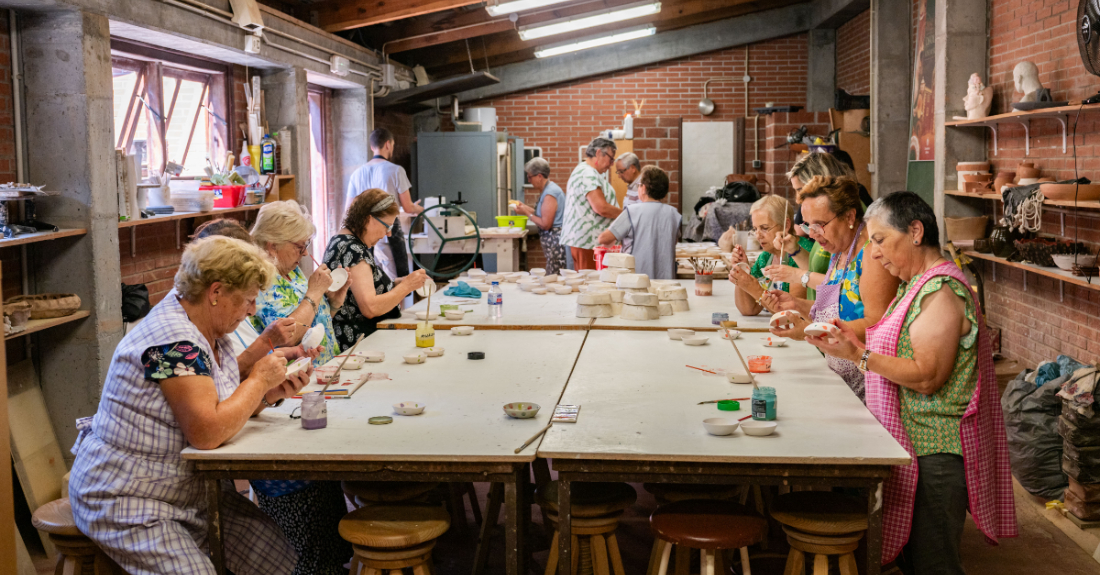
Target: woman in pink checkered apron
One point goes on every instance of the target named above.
(930, 381)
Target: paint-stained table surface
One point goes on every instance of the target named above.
(522, 310)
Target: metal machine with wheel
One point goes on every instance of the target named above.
(446, 227)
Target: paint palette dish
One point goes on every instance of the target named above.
(409, 408)
(720, 425)
(758, 428)
(521, 410)
(731, 334)
(339, 278)
(775, 342)
(298, 365)
(434, 351)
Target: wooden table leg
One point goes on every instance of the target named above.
(512, 514)
(214, 524)
(874, 529)
(565, 519)
(481, 557)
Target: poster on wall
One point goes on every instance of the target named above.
(922, 123)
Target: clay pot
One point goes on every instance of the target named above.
(1083, 192)
(1027, 164)
(978, 177)
(972, 167)
(1026, 172)
(1003, 179)
(1046, 180)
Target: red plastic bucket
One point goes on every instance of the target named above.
(226, 196)
(598, 253)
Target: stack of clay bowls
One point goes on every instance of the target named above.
(616, 264)
(974, 177)
(675, 296)
(638, 303)
(1027, 174)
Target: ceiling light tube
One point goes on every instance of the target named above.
(594, 41)
(519, 6)
(589, 20)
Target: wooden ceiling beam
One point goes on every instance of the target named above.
(445, 36)
(337, 15)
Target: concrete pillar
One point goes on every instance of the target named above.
(891, 92)
(962, 48)
(821, 77)
(286, 100)
(350, 125)
(67, 70)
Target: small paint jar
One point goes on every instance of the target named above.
(314, 411)
(718, 317)
(759, 363)
(763, 404)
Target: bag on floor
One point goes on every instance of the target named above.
(1034, 446)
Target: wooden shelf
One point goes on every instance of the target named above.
(1055, 273)
(40, 237)
(36, 325)
(185, 215)
(1061, 114)
(1093, 205)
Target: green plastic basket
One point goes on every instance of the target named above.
(512, 221)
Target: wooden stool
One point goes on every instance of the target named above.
(596, 509)
(707, 525)
(388, 538)
(666, 493)
(364, 493)
(821, 523)
(76, 553)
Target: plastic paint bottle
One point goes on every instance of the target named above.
(763, 404)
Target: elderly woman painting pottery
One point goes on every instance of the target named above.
(931, 382)
(174, 381)
(771, 219)
(284, 231)
(857, 288)
(548, 214)
(374, 296)
(590, 204)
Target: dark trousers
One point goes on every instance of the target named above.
(399, 250)
(939, 513)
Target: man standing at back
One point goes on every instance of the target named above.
(383, 174)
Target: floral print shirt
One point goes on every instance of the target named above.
(178, 359)
(346, 250)
(581, 225)
(851, 303)
(283, 298)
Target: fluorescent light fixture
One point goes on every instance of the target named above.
(589, 20)
(594, 41)
(502, 8)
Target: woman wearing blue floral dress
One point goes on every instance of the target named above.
(308, 511)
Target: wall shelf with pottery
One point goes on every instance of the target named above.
(177, 217)
(36, 325)
(1061, 113)
(1094, 205)
(1055, 273)
(40, 237)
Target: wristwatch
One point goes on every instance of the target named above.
(263, 399)
(863, 361)
(806, 279)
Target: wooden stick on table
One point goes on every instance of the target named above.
(534, 437)
(336, 377)
(743, 364)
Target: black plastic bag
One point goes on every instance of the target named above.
(1034, 446)
(738, 192)
(135, 302)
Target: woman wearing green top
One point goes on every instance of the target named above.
(771, 218)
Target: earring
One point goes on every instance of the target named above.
(215, 303)
(851, 227)
(915, 242)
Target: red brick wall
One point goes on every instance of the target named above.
(401, 125)
(10, 259)
(1041, 321)
(853, 55)
(778, 159)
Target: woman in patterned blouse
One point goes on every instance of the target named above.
(374, 296)
(931, 382)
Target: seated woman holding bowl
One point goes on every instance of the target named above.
(771, 220)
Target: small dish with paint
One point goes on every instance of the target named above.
(758, 428)
(678, 334)
(735, 377)
(462, 330)
(783, 318)
(731, 334)
(298, 365)
(694, 340)
(521, 409)
(775, 342)
(720, 425)
(454, 315)
(414, 358)
(372, 356)
(427, 315)
(409, 408)
(434, 351)
(353, 363)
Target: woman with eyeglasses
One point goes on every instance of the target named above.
(283, 230)
(548, 214)
(771, 217)
(857, 288)
(374, 296)
(590, 203)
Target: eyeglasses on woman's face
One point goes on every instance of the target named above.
(302, 247)
(388, 225)
(816, 229)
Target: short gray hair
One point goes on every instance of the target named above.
(538, 166)
(900, 209)
(629, 159)
(282, 222)
(598, 144)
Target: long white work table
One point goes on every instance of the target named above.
(463, 435)
(639, 421)
(525, 310)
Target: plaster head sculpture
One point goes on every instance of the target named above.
(978, 99)
(1026, 79)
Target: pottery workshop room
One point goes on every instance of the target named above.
(550, 287)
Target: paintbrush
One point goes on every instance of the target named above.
(701, 369)
(745, 365)
(533, 438)
(717, 400)
(336, 377)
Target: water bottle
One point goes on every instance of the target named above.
(496, 302)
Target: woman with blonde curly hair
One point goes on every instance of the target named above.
(174, 382)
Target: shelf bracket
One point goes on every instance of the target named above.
(133, 242)
(1025, 280)
(1027, 136)
(1061, 291)
(994, 271)
(1062, 217)
(993, 128)
(178, 235)
(1063, 120)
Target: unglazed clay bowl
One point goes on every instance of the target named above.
(313, 337)
(434, 351)
(339, 278)
(462, 330)
(521, 409)
(298, 365)
(694, 340)
(373, 356)
(720, 425)
(454, 315)
(758, 428)
(427, 315)
(353, 363)
(409, 408)
(734, 377)
(415, 358)
(677, 333)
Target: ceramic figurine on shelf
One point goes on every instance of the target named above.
(1026, 78)
(978, 99)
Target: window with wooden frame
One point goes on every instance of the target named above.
(170, 107)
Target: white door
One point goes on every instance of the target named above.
(707, 157)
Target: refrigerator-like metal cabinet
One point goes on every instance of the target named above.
(486, 171)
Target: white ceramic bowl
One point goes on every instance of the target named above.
(462, 330)
(434, 351)
(300, 364)
(454, 315)
(731, 334)
(353, 363)
(694, 340)
(677, 333)
(429, 287)
(563, 290)
(480, 287)
(1065, 261)
(427, 315)
(538, 271)
(312, 338)
(372, 356)
(820, 328)
(758, 428)
(720, 425)
(538, 291)
(734, 377)
(339, 278)
(409, 408)
(521, 409)
(415, 358)
(773, 341)
(490, 278)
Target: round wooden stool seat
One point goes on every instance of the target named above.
(386, 491)
(672, 492)
(590, 525)
(820, 512)
(394, 526)
(395, 554)
(708, 524)
(589, 499)
(56, 518)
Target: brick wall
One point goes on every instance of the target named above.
(401, 125)
(1040, 320)
(853, 55)
(778, 158)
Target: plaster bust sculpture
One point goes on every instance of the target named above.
(1026, 78)
(978, 99)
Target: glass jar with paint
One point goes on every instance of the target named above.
(314, 411)
(763, 404)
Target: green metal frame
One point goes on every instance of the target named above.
(444, 241)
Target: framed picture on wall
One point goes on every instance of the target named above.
(530, 153)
